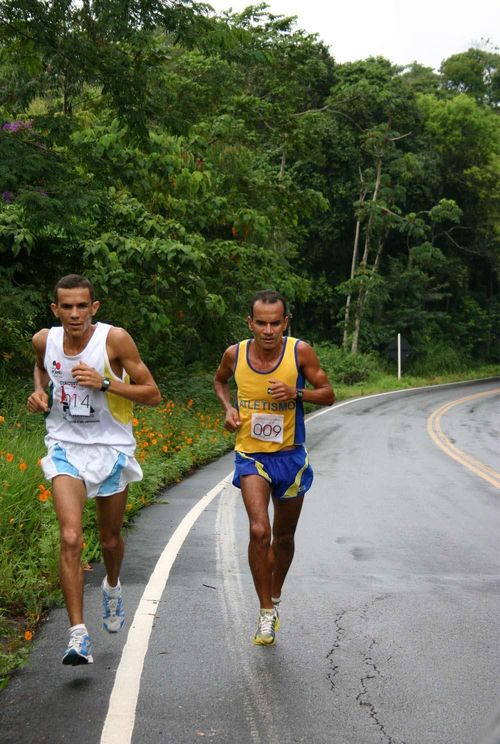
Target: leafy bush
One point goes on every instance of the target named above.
(343, 367)
(438, 357)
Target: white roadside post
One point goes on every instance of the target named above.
(399, 356)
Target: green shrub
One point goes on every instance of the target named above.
(438, 357)
(343, 367)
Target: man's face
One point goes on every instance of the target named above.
(268, 324)
(75, 310)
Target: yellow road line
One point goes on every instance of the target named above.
(439, 437)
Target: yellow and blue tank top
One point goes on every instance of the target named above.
(268, 425)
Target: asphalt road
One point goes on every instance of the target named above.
(390, 612)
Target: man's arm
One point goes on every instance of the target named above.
(322, 393)
(121, 348)
(222, 390)
(38, 401)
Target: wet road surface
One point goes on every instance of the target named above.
(389, 614)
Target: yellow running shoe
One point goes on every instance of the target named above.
(267, 627)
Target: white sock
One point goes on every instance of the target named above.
(111, 590)
(80, 629)
(276, 600)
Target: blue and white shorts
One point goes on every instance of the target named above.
(287, 471)
(104, 470)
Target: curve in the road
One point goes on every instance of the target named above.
(120, 719)
(441, 440)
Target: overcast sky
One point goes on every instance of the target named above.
(426, 31)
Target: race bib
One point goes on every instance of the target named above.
(268, 427)
(76, 400)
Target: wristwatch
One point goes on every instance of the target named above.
(106, 382)
(299, 394)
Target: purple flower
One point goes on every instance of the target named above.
(16, 126)
(7, 196)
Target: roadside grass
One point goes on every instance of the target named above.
(184, 432)
(172, 440)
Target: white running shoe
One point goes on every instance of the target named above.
(113, 614)
(268, 625)
(79, 650)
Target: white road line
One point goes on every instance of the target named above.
(119, 724)
(120, 719)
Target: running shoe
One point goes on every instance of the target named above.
(79, 650)
(113, 614)
(267, 627)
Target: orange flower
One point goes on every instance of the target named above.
(2, 419)
(165, 448)
(22, 466)
(9, 457)
(190, 403)
(135, 422)
(28, 635)
(44, 495)
(189, 440)
(154, 441)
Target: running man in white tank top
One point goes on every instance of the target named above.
(87, 377)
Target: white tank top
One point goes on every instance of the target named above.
(81, 415)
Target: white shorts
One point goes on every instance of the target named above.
(104, 470)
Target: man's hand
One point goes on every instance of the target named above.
(232, 422)
(38, 402)
(280, 391)
(87, 376)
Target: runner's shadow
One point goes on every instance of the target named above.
(80, 683)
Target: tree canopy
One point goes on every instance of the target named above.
(183, 160)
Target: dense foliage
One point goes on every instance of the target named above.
(182, 160)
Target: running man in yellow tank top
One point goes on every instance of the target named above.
(270, 371)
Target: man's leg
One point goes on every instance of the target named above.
(286, 517)
(110, 511)
(69, 499)
(256, 494)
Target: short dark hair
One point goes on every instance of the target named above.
(73, 281)
(268, 296)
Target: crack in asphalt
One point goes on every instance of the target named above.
(373, 672)
(339, 632)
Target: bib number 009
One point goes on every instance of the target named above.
(267, 427)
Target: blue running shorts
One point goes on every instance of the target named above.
(287, 471)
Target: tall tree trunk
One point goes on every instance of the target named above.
(360, 305)
(354, 266)
(362, 300)
(283, 163)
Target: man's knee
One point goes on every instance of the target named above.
(260, 532)
(71, 540)
(110, 540)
